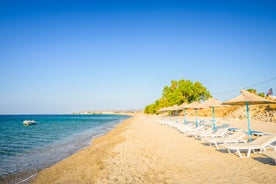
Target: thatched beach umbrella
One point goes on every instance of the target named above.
(175, 108)
(160, 110)
(196, 106)
(164, 109)
(168, 109)
(184, 106)
(247, 98)
(213, 102)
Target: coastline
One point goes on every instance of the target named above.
(97, 151)
(140, 150)
(113, 112)
(49, 158)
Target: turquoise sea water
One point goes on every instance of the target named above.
(53, 138)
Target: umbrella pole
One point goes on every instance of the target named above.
(176, 116)
(196, 119)
(248, 120)
(214, 120)
(184, 117)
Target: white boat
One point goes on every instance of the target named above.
(29, 122)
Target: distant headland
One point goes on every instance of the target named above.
(122, 112)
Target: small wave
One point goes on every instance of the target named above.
(28, 178)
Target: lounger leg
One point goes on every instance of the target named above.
(239, 153)
(248, 153)
(229, 151)
(216, 145)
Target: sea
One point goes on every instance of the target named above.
(29, 149)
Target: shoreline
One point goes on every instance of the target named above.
(140, 150)
(27, 176)
(97, 145)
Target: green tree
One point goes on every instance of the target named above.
(179, 92)
(251, 90)
(261, 94)
(254, 91)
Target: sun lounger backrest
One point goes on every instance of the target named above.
(238, 134)
(264, 140)
(221, 131)
(223, 126)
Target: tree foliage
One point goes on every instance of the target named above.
(251, 90)
(177, 93)
(254, 91)
(261, 94)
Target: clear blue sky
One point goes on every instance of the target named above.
(64, 56)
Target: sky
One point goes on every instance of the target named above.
(65, 56)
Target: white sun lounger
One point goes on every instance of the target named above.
(184, 127)
(203, 130)
(190, 128)
(233, 138)
(220, 132)
(194, 129)
(258, 144)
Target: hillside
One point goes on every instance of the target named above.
(265, 113)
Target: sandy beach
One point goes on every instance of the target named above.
(140, 150)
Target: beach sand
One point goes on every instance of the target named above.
(140, 150)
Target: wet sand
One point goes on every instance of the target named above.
(140, 150)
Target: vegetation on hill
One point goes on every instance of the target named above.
(254, 91)
(177, 93)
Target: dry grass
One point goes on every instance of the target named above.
(259, 112)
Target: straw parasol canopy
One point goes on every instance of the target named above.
(213, 102)
(247, 98)
(162, 109)
(184, 106)
(165, 109)
(197, 106)
(175, 108)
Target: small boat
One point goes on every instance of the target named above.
(29, 122)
